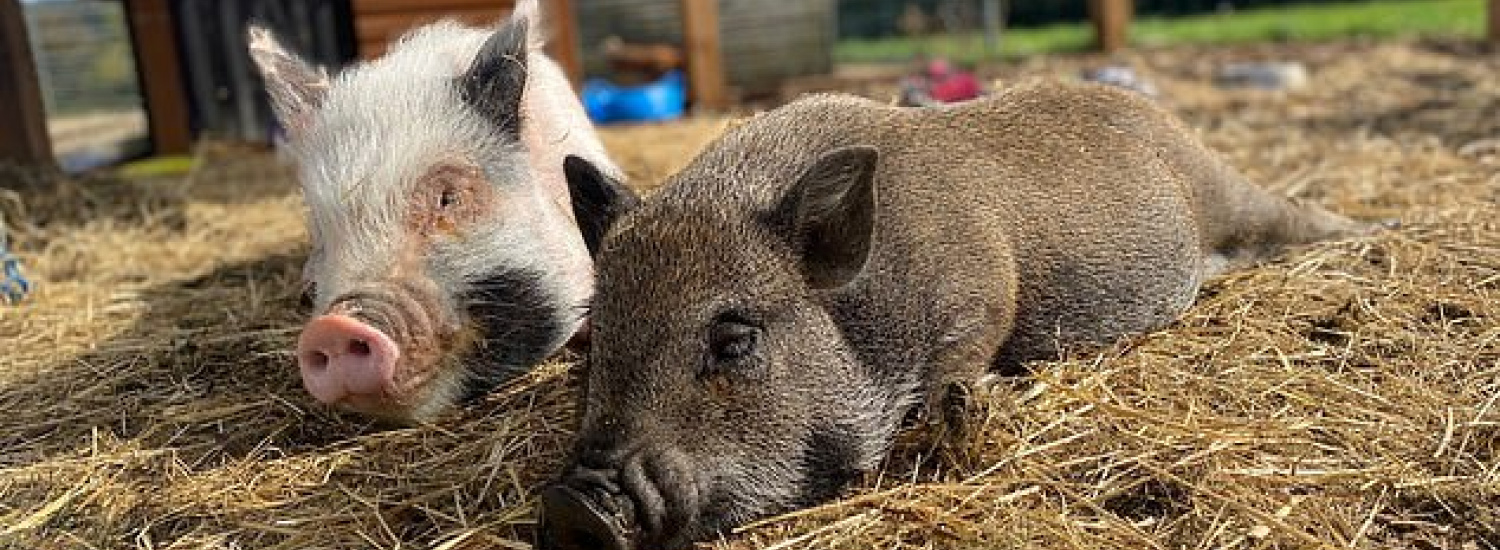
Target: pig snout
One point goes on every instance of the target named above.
(646, 500)
(345, 359)
(572, 520)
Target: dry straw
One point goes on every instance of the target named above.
(1342, 397)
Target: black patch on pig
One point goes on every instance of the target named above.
(521, 323)
(830, 463)
(497, 77)
(598, 200)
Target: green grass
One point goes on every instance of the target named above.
(1314, 22)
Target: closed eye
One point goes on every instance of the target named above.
(733, 340)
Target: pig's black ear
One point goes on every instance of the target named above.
(598, 200)
(832, 215)
(497, 77)
(296, 88)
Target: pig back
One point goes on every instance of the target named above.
(1099, 222)
(1049, 210)
(1031, 221)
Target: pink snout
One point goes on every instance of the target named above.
(344, 359)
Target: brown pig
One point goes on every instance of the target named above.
(445, 252)
(763, 325)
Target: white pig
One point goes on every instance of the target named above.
(446, 256)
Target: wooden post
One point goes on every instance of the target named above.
(563, 45)
(1495, 22)
(153, 37)
(1111, 23)
(705, 60)
(993, 14)
(24, 138)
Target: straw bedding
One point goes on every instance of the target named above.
(1344, 396)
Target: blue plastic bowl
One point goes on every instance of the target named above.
(664, 99)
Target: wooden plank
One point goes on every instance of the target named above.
(24, 140)
(1495, 22)
(363, 7)
(563, 45)
(382, 27)
(372, 49)
(705, 57)
(377, 23)
(1111, 20)
(152, 33)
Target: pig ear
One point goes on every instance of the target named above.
(531, 13)
(296, 88)
(598, 200)
(495, 80)
(832, 209)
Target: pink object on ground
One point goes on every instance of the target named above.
(958, 86)
(938, 69)
(342, 358)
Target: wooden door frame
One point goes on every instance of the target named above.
(25, 141)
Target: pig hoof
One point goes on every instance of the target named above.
(952, 412)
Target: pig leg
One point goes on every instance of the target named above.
(1244, 225)
(1241, 224)
(959, 368)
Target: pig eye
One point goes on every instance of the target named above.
(732, 340)
(448, 198)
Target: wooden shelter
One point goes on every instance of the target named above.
(160, 65)
(378, 22)
(755, 45)
(23, 125)
(24, 137)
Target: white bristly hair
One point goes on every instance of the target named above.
(380, 127)
(385, 122)
(513, 280)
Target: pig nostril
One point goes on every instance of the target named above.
(571, 521)
(317, 360)
(583, 539)
(359, 347)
